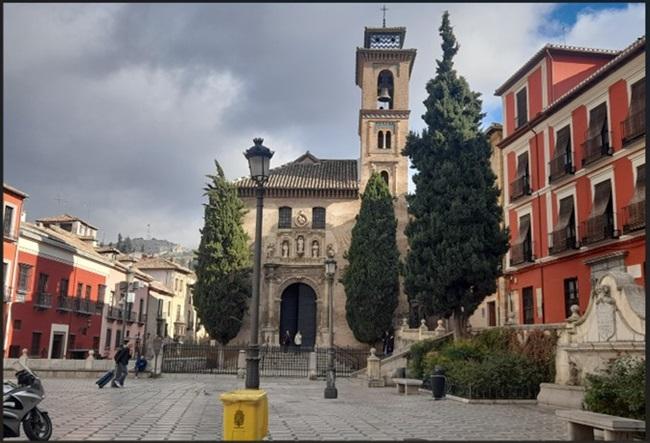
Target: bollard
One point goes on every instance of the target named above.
(245, 415)
(373, 370)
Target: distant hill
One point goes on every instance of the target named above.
(157, 247)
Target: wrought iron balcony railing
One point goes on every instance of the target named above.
(142, 318)
(595, 147)
(598, 228)
(43, 300)
(633, 126)
(130, 316)
(561, 242)
(519, 187)
(634, 217)
(83, 306)
(521, 253)
(114, 313)
(64, 303)
(560, 166)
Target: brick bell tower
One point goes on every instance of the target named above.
(383, 72)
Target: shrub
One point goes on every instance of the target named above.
(418, 351)
(540, 349)
(619, 390)
(497, 339)
(463, 350)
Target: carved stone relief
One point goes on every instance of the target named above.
(605, 313)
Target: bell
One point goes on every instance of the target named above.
(384, 96)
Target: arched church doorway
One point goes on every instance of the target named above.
(298, 313)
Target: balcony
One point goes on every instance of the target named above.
(561, 242)
(634, 217)
(99, 308)
(130, 317)
(595, 148)
(114, 313)
(519, 187)
(64, 303)
(142, 318)
(7, 294)
(560, 166)
(598, 228)
(521, 253)
(633, 127)
(43, 300)
(83, 306)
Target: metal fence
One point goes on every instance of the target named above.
(494, 392)
(278, 361)
(346, 361)
(200, 359)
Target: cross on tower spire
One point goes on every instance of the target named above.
(384, 9)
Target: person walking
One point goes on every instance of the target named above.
(298, 339)
(121, 361)
(385, 340)
(286, 341)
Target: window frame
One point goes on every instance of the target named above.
(12, 222)
(567, 293)
(284, 221)
(517, 92)
(314, 218)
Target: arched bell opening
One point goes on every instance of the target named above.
(385, 90)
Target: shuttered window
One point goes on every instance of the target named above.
(566, 216)
(522, 165)
(602, 198)
(598, 120)
(637, 103)
(522, 108)
(563, 144)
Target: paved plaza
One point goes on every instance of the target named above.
(187, 407)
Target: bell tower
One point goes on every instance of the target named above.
(383, 71)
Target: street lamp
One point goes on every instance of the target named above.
(125, 300)
(330, 270)
(259, 158)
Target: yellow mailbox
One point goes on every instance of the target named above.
(245, 414)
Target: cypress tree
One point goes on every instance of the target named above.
(371, 278)
(455, 240)
(223, 273)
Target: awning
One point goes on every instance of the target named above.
(639, 188)
(597, 120)
(566, 211)
(563, 141)
(522, 164)
(602, 197)
(524, 229)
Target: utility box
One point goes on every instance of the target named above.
(245, 415)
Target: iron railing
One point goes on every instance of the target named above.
(114, 313)
(633, 126)
(521, 253)
(83, 306)
(43, 300)
(64, 303)
(528, 392)
(560, 166)
(520, 187)
(346, 360)
(599, 227)
(595, 147)
(561, 242)
(634, 216)
(142, 318)
(200, 359)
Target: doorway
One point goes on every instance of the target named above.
(58, 339)
(298, 313)
(492, 314)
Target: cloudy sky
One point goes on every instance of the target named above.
(115, 112)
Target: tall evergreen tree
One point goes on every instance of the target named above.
(371, 278)
(223, 273)
(455, 240)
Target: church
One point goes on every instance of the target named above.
(311, 203)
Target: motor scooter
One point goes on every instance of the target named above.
(19, 406)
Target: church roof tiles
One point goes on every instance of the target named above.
(310, 173)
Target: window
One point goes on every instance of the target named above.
(600, 224)
(522, 250)
(596, 143)
(384, 175)
(380, 140)
(140, 310)
(35, 348)
(634, 125)
(8, 221)
(118, 337)
(522, 108)
(570, 295)
(388, 140)
(529, 314)
(18, 324)
(562, 163)
(63, 287)
(42, 282)
(521, 184)
(564, 234)
(109, 334)
(160, 309)
(24, 274)
(88, 291)
(318, 218)
(101, 293)
(284, 221)
(80, 288)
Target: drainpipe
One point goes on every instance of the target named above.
(539, 219)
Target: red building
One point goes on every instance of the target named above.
(574, 176)
(60, 284)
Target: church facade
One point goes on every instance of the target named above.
(311, 203)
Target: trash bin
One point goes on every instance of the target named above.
(245, 415)
(438, 382)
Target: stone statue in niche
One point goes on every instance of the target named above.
(300, 245)
(270, 250)
(285, 248)
(315, 249)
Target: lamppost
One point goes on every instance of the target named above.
(129, 280)
(330, 270)
(259, 158)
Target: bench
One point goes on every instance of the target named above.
(581, 425)
(407, 386)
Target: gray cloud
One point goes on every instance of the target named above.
(121, 109)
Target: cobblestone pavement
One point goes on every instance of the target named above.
(187, 407)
